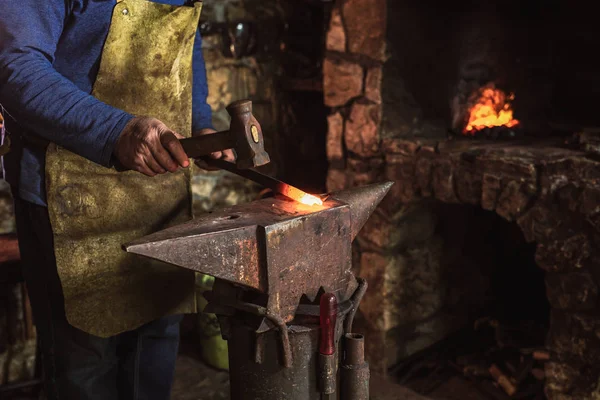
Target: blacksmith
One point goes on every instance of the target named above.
(95, 95)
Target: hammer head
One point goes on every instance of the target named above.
(248, 135)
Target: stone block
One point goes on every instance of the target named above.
(413, 285)
(424, 171)
(590, 200)
(401, 169)
(572, 168)
(514, 199)
(509, 168)
(373, 268)
(362, 130)
(336, 35)
(342, 81)
(539, 224)
(365, 22)
(563, 255)
(491, 187)
(415, 226)
(335, 137)
(442, 180)
(337, 179)
(560, 377)
(376, 233)
(566, 194)
(365, 171)
(572, 291)
(391, 204)
(373, 84)
(468, 184)
(401, 146)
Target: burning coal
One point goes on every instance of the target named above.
(490, 107)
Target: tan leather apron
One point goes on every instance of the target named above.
(146, 69)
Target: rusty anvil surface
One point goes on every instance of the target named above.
(274, 246)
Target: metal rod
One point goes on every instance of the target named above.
(275, 185)
(355, 299)
(355, 349)
(355, 373)
(276, 320)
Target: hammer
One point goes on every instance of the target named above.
(244, 136)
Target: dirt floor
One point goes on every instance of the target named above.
(194, 380)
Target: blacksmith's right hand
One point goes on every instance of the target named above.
(148, 146)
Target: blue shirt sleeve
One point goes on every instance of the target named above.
(40, 98)
(201, 112)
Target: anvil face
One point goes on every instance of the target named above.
(275, 246)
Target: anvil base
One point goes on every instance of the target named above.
(269, 379)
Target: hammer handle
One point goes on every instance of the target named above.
(204, 145)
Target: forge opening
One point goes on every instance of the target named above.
(478, 304)
(458, 48)
(483, 249)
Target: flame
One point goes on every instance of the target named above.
(310, 200)
(492, 108)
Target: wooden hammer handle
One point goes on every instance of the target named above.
(199, 146)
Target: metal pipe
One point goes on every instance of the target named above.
(327, 373)
(355, 372)
(355, 300)
(270, 380)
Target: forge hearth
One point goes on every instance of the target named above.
(551, 193)
(396, 75)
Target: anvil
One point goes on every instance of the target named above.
(274, 246)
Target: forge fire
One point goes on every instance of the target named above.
(299, 200)
(490, 107)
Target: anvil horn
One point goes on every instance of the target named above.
(362, 201)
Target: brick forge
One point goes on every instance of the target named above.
(550, 191)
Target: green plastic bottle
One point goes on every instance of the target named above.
(213, 347)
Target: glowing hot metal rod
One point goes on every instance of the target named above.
(275, 185)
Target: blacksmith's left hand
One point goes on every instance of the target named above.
(226, 155)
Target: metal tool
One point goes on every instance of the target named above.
(327, 357)
(275, 185)
(355, 370)
(273, 259)
(244, 136)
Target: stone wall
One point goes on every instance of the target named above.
(378, 131)
(551, 193)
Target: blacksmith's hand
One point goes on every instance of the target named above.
(148, 146)
(226, 155)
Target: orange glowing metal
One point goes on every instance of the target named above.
(310, 200)
(300, 196)
(491, 108)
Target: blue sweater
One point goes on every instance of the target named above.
(49, 58)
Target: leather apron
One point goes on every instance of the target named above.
(145, 69)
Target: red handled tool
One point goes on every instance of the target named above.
(328, 309)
